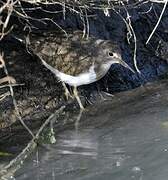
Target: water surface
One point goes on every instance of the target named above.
(124, 137)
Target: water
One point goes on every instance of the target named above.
(121, 139)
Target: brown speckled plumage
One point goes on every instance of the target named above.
(73, 55)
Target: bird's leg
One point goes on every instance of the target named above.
(75, 92)
(67, 93)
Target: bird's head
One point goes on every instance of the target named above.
(111, 53)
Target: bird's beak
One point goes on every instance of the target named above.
(126, 65)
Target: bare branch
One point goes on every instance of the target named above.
(157, 24)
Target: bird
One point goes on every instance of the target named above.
(75, 60)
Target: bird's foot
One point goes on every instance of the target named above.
(8, 79)
(104, 94)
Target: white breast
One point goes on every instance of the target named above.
(81, 79)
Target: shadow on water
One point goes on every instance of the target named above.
(123, 138)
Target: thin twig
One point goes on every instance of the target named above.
(157, 24)
(13, 85)
(135, 45)
(131, 32)
(16, 163)
(13, 98)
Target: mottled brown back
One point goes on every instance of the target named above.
(70, 54)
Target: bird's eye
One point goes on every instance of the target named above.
(111, 54)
